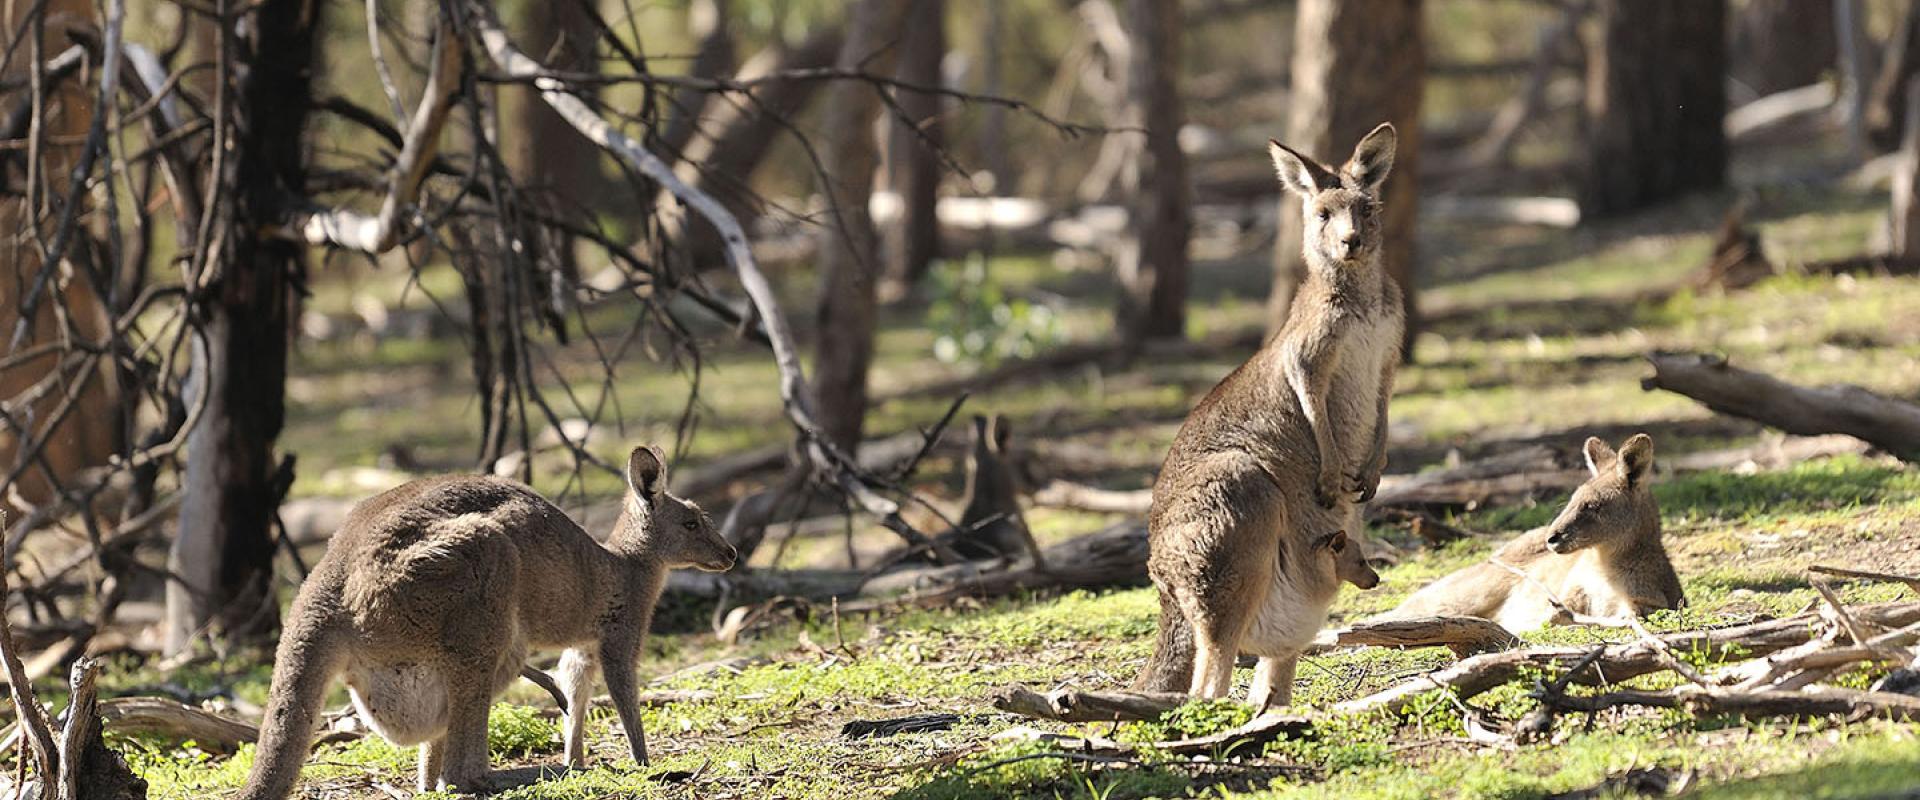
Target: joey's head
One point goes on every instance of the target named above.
(1349, 559)
(1340, 208)
(674, 529)
(1615, 505)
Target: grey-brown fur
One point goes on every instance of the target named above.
(992, 525)
(432, 594)
(1281, 451)
(1601, 557)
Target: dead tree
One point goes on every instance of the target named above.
(1656, 104)
(223, 553)
(1356, 64)
(1152, 264)
(850, 264)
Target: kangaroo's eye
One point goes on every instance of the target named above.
(690, 524)
(1325, 215)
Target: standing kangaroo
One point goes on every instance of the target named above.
(431, 595)
(1281, 451)
(991, 526)
(1601, 556)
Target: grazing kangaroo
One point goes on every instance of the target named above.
(431, 594)
(1601, 556)
(1286, 447)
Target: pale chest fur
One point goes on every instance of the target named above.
(1353, 402)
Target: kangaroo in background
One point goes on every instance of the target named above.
(1601, 556)
(1284, 448)
(431, 594)
(991, 526)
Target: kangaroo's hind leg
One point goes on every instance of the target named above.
(1220, 609)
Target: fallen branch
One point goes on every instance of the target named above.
(1912, 582)
(1888, 424)
(1815, 701)
(1618, 662)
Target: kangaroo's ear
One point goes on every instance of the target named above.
(1300, 174)
(1636, 458)
(1372, 160)
(1335, 542)
(1002, 433)
(647, 473)
(1599, 455)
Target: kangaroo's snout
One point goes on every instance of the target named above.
(1559, 542)
(721, 561)
(1367, 579)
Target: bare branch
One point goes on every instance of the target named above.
(356, 231)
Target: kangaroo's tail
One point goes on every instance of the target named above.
(1170, 668)
(311, 652)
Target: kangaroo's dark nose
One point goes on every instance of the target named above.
(1353, 242)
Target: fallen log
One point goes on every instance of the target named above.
(1081, 497)
(1463, 635)
(1864, 264)
(1113, 556)
(1888, 424)
(1070, 705)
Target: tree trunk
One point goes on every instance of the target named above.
(543, 152)
(993, 117)
(722, 159)
(1153, 264)
(224, 550)
(850, 264)
(1356, 64)
(92, 430)
(708, 21)
(1783, 44)
(1656, 104)
(1887, 102)
(913, 164)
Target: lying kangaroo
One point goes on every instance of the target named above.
(1285, 447)
(1601, 557)
(431, 594)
